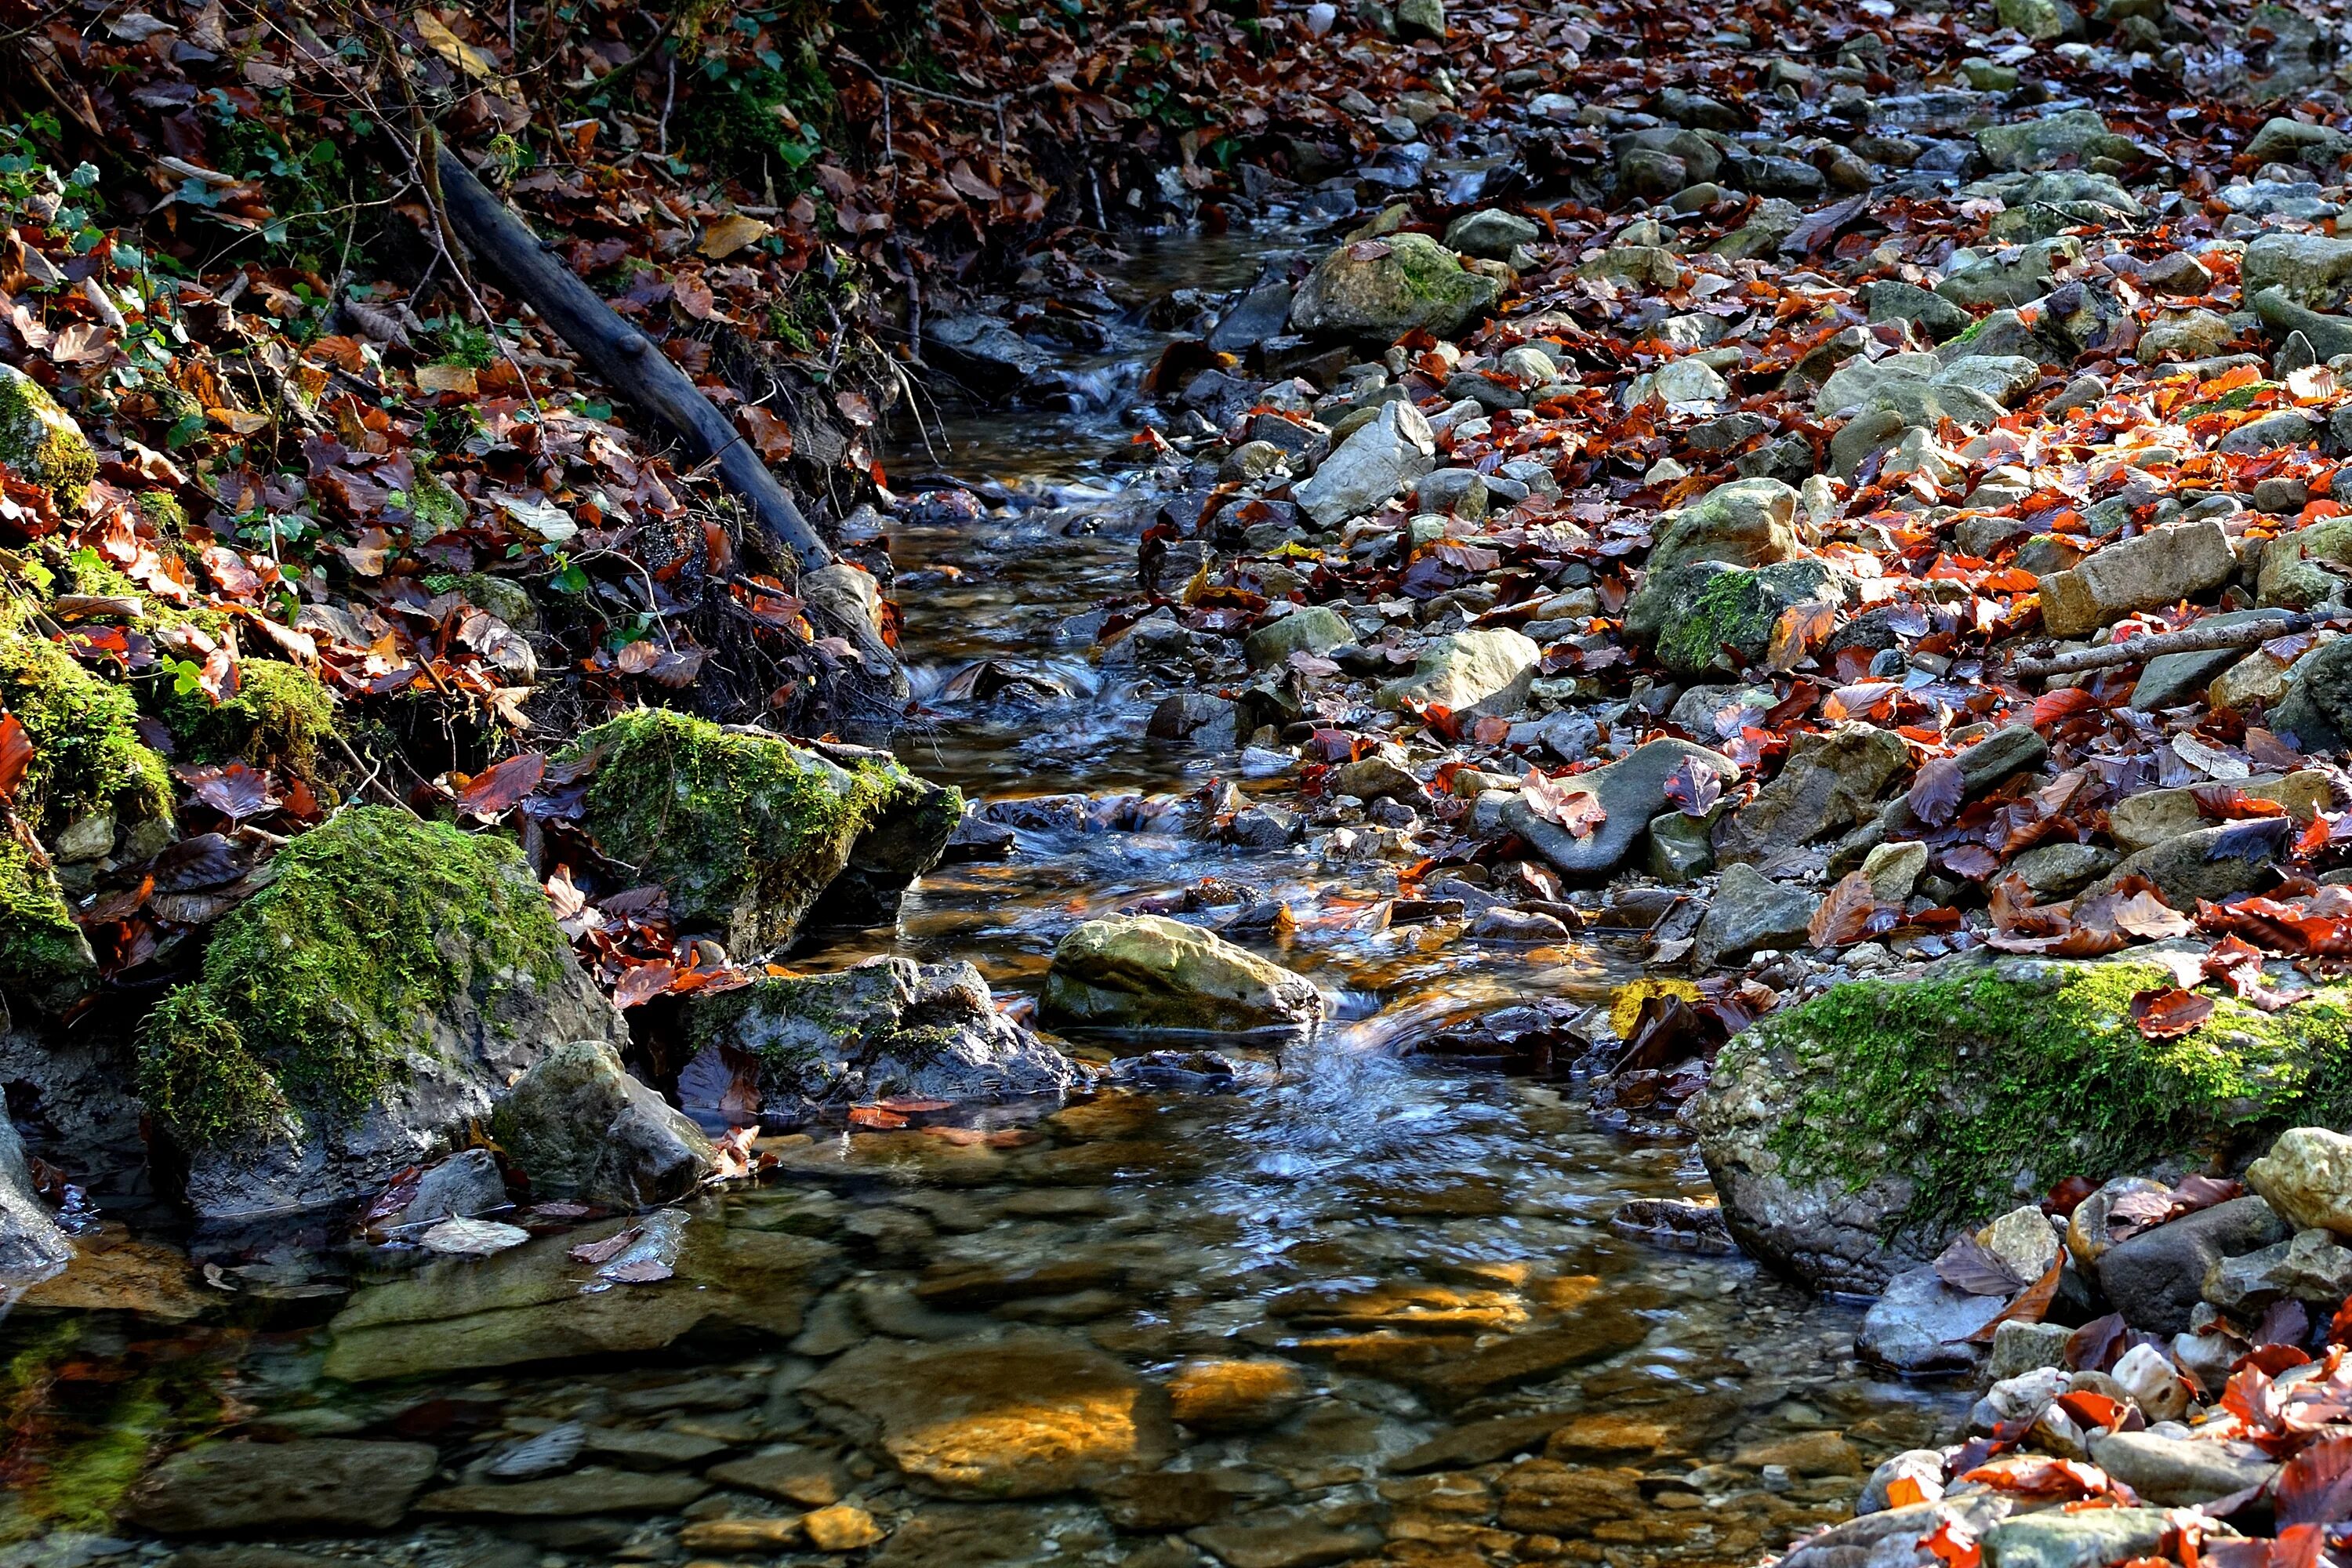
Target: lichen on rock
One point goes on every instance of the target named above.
(1848, 1134)
(351, 1015)
(748, 832)
(41, 440)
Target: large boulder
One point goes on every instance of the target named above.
(1483, 672)
(1691, 614)
(1376, 290)
(1631, 790)
(1748, 522)
(352, 1017)
(580, 1127)
(2313, 269)
(754, 836)
(1749, 912)
(1153, 972)
(313, 1483)
(888, 1026)
(1849, 1135)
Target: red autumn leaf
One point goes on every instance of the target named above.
(1693, 787)
(501, 788)
(2064, 703)
(15, 756)
(1953, 1544)
(2166, 1012)
(1852, 913)
(1578, 811)
(874, 1118)
(1935, 794)
(641, 982)
(2228, 802)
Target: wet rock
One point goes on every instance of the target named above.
(1632, 791)
(1921, 1325)
(1834, 780)
(2091, 1540)
(1311, 629)
(2156, 1278)
(595, 1490)
(1375, 291)
(1150, 972)
(1170, 1499)
(792, 1474)
(1026, 1414)
(1748, 522)
(2308, 1268)
(464, 1184)
(312, 1484)
(1224, 1395)
(1750, 912)
(1485, 672)
(1376, 462)
(32, 1246)
(751, 835)
(1830, 1166)
(1690, 615)
(2178, 561)
(741, 1536)
(983, 352)
(580, 1127)
(887, 1026)
(1599, 1330)
(2306, 1178)
(1286, 1541)
(359, 1012)
(1556, 1499)
(534, 1303)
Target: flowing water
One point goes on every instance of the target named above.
(1359, 1303)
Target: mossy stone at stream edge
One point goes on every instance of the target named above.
(281, 717)
(1870, 1120)
(744, 829)
(317, 993)
(41, 440)
(43, 954)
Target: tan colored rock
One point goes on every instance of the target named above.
(1894, 868)
(2308, 1178)
(2258, 677)
(1026, 1414)
(2160, 567)
(2154, 816)
(1482, 672)
(1217, 1395)
(741, 1536)
(844, 1527)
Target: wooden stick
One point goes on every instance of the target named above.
(624, 357)
(2199, 638)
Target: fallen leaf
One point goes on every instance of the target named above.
(2168, 1011)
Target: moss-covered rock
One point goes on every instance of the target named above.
(886, 1027)
(753, 836)
(279, 718)
(1378, 290)
(1691, 613)
(44, 957)
(580, 1127)
(1848, 1135)
(41, 440)
(373, 998)
(86, 754)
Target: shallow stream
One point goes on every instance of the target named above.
(1364, 1308)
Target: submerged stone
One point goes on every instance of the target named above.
(311, 1484)
(753, 837)
(1150, 972)
(358, 1012)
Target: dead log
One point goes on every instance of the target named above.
(624, 358)
(2201, 638)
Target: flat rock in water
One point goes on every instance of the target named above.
(1150, 972)
(1599, 1331)
(1289, 1544)
(1026, 1413)
(1919, 1325)
(315, 1483)
(590, 1491)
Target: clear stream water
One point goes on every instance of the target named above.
(1411, 1257)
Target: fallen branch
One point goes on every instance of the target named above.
(624, 357)
(2204, 637)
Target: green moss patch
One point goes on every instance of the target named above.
(86, 753)
(317, 990)
(40, 441)
(42, 951)
(281, 717)
(1965, 1082)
